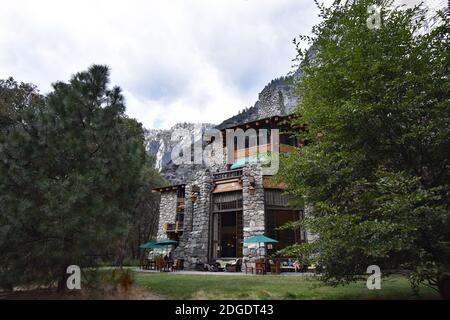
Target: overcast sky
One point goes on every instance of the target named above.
(177, 60)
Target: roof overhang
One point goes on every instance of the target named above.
(172, 188)
(260, 122)
(228, 186)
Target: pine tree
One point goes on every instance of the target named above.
(71, 168)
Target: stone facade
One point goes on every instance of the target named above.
(194, 242)
(167, 211)
(253, 206)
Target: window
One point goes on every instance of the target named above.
(278, 213)
(227, 228)
(227, 201)
(227, 235)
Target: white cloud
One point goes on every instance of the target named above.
(178, 60)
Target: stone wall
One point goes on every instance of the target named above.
(194, 242)
(253, 206)
(167, 211)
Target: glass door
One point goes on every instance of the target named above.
(227, 235)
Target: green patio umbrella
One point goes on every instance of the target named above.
(260, 238)
(149, 245)
(166, 242)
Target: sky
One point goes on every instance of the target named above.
(176, 61)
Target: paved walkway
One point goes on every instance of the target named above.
(222, 273)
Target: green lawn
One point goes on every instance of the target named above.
(176, 286)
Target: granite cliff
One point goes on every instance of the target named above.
(277, 98)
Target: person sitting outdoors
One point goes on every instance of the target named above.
(290, 263)
(213, 267)
(299, 267)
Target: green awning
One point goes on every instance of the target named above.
(165, 242)
(149, 245)
(260, 238)
(263, 158)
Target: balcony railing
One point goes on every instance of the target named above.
(174, 227)
(179, 226)
(227, 175)
(169, 227)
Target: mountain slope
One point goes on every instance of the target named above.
(277, 98)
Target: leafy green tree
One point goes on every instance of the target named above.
(15, 98)
(376, 168)
(71, 167)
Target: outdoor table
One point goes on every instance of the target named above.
(260, 267)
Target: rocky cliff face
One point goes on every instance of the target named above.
(161, 143)
(277, 98)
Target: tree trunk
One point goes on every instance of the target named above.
(444, 286)
(62, 282)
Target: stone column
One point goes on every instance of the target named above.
(253, 206)
(197, 215)
(167, 212)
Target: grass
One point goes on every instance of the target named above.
(176, 286)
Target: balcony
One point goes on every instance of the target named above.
(169, 227)
(176, 227)
(233, 174)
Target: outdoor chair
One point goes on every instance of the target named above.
(248, 266)
(275, 267)
(144, 264)
(168, 265)
(260, 267)
(160, 265)
(179, 265)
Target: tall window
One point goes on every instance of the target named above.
(227, 225)
(278, 213)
